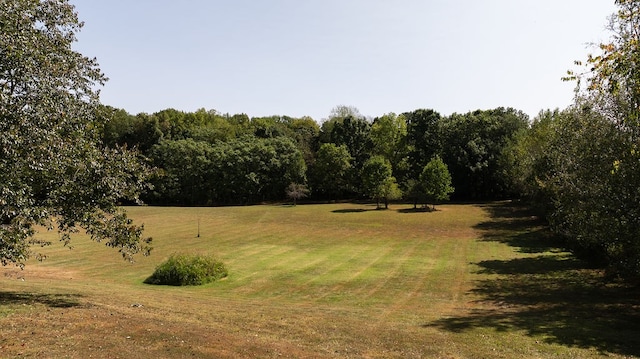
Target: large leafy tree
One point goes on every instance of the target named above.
(598, 205)
(530, 159)
(435, 181)
(184, 172)
(612, 78)
(54, 171)
(331, 169)
(423, 138)
(473, 145)
(389, 139)
(353, 132)
(378, 182)
(305, 133)
(122, 129)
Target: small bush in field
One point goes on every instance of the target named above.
(188, 270)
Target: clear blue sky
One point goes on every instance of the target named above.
(304, 57)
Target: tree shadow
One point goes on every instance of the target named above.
(549, 295)
(418, 210)
(350, 210)
(367, 208)
(49, 300)
(518, 227)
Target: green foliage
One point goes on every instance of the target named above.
(530, 157)
(580, 169)
(588, 165)
(122, 129)
(184, 269)
(305, 133)
(331, 169)
(52, 162)
(389, 139)
(435, 181)
(243, 170)
(390, 190)
(378, 182)
(611, 79)
(473, 146)
(353, 132)
(424, 139)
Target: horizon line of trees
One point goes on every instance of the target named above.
(208, 158)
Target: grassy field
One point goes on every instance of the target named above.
(324, 281)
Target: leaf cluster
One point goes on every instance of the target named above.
(54, 171)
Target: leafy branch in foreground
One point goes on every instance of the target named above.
(54, 170)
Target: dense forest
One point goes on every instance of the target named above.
(208, 158)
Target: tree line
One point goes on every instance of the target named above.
(209, 158)
(580, 167)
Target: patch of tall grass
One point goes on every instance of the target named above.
(183, 269)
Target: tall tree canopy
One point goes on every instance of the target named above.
(423, 138)
(378, 182)
(330, 170)
(435, 181)
(473, 145)
(389, 139)
(582, 165)
(54, 171)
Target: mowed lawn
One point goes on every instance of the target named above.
(323, 281)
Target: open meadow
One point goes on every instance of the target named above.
(323, 281)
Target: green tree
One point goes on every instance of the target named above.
(122, 129)
(52, 162)
(390, 190)
(375, 175)
(353, 132)
(424, 138)
(337, 116)
(305, 134)
(605, 175)
(388, 137)
(414, 192)
(184, 174)
(282, 163)
(611, 79)
(569, 166)
(346, 126)
(435, 181)
(330, 171)
(239, 171)
(272, 126)
(473, 145)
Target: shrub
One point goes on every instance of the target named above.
(188, 270)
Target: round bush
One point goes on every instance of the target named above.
(188, 270)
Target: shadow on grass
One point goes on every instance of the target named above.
(549, 295)
(516, 226)
(418, 210)
(367, 208)
(50, 300)
(351, 210)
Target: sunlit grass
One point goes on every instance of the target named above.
(323, 281)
